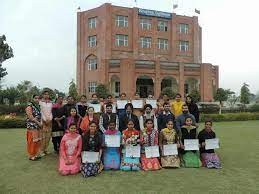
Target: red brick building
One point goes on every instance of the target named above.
(138, 50)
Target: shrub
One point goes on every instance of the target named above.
(7, 109)
(244, 116)
(16, 122)
(254, 108)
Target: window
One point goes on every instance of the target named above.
(184, 45)
(92, 87)
(92, 41)
(184, 28)
(163, 44)
(145, 24)
(121, 21)
(121, 40)
(162, 26)
(92, 64)
(145, 42)
(92, 23)
(117, 87)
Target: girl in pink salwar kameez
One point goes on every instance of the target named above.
(70, 152)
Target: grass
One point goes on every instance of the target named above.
(239, 155)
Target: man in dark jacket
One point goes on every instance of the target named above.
(165, 116)
(108, 117)
(128, 116)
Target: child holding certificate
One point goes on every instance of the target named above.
(70, 150)
(111, 155)
(191, 157)
(130, 138)
(168, 136)
(208, 156)
(149, 137)
(92, 144)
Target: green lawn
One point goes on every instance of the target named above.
(239, 154)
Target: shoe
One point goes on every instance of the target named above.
(34, 158)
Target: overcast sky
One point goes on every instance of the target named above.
(42, 34)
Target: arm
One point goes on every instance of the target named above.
(141, 124)
(155, 122)
(117, 123)
(28, 111)
(101, 124)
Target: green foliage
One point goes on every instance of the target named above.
(244, 116)
(7, 109)
(209, 108)
(168, 91)
(254, 108)
(245, 94)
(17, 122)
(11, 93)
(222, 94)
(72, 91)
(196, 96)
(102, 91)
(26, 91)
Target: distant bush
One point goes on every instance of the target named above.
(16, 122)
(254, 108)
(244, 116)
(7, 109)
(208, 108)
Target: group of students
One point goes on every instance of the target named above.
(75, 128)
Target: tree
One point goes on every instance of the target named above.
(196, 96)
(168, 91)
(245, 94)
(221, 96)
(233, 98)
(6, 52)
(102, 91)
(72, 91)
(11, 93)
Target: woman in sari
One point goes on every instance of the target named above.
(149, 137)
(191, 158)
(92, 142)
(169, 136)
(70, 152)
(33, 123)
(89, 117)
(130, 136)
(73, 118)
(208, 157)
(111, 156)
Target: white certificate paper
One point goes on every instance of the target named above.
(113, 141)
(191, 144)
(121, 104)
(170, 149)
(137, 103)
(152, 151)
(97, 107)
(133, 151)
(153, 103)
(90, 157)
(211, 144)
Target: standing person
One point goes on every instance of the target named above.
(193, 108)
(149, 137)
(161, 101)
(111, 155)
(121, 112)
(67, 107)
(164, 116)
(73, 118)
(191, 158)
(128, 116)
(130, 136)
(208, 157)
(92, 142)
(33, 123)
(46, 117)
(89, 117)
(94, 99)
(109, 100)
(70, 152)
(57, 124)
(177, 105)
(147, 115)
(81, 106)
(105, 119)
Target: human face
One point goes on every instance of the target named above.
(73, 112)
(59, 100)
(148, 110)
(165, 97)
(208, 125)
(83, 99)
(94, 98)
(170, 125)
(72, 128)
(167, 107)
(101, 99)
(92, 128)
(188, 100)
(188, 121)
(150, 97)
(128, 110)
(123, 97)
(112, 126)
(185, 109)
(149, 124)
(178, 98)
(130, 125)
(46, 96)
(137, 97)
(108, 109)
(90, 111)
(109, 99)
(36, 99)
(70, 100)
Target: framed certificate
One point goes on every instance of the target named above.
(170, 149)
(153, 103)
(121, 104)
(137, 103)
(90, 157)
(191, 144)
(152, 152)
(97, 107)
(112, 141)
(133, 151)
(211, 144)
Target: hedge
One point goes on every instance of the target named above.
(7, 109)
(17, 122)
(244, 116)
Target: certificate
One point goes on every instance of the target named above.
(153, 103)
(121, 104)
(90, 157)
(137, 103)
(113, 141)
(211, 144)
(133, 151)
(152, 151)
(170, 149)
(114, 108)
(97, 107)
(191, 144)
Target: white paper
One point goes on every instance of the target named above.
(153, 103)
(90, 157)
(191, 144)
(170, 149)
(133, 151)
(112, 141)
(97, 107)
(137, 103)
(114, 108)
(211, 144)
(152, 152)
(121, 104)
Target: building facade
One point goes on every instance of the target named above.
(138, 50)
